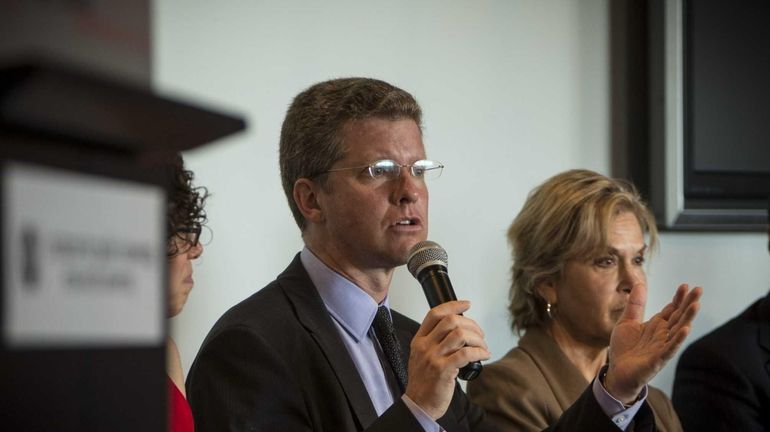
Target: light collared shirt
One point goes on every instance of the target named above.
(620, 414)
(352, 311)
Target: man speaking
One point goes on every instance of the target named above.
(318, 349)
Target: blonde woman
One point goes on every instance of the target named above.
(578, 251)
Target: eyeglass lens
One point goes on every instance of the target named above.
(191, 235)
(389, 169)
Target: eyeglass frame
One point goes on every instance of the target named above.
(368, 168)
(195, 229)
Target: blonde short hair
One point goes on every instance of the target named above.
(566, 217)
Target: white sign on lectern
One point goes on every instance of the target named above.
(83, 259)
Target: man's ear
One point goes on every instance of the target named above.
(306, 196)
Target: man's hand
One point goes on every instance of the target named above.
(445, 342)
(638, 351)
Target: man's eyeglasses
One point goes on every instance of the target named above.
(387, 169)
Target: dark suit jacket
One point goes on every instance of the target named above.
(275, 362)
(723, 379)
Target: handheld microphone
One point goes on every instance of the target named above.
(428, 264)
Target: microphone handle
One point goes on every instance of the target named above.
(438, 289)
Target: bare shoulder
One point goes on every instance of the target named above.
(174, 365)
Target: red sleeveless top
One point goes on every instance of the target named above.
(180, 417)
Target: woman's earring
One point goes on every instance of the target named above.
(548, 310)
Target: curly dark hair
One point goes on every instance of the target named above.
(185, 202)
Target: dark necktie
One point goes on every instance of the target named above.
(386, 335)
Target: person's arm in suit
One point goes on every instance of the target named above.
(587, 415)
(711, 393)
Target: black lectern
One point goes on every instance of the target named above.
(82, 246)
(82, 215)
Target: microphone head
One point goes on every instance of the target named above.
(426, 253)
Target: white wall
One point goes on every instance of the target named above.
(513, 92)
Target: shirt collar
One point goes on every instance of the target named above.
(348, 304)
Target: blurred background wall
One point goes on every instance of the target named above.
(513, 92)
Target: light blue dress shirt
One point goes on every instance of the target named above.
(619, 413)
(352, 311)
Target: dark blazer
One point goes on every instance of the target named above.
(275, 362)
(723, 379)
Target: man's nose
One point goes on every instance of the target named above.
(408, 187)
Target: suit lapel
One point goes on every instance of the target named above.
(764, 329)
(312, 314)
(564, 379)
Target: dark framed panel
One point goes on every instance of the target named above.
(704, 139)
(726, 52)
